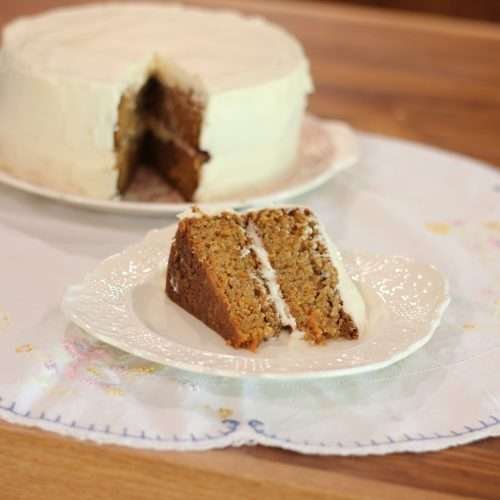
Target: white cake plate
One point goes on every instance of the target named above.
(326, 148)
(122, 302)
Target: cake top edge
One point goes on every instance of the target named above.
(197, 212)
(108, 42)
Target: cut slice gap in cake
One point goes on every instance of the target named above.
(159, 126)
(252, 276)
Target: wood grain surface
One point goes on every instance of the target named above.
(427, 79)
(488, 10)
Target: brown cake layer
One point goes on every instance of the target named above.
(178, 111)
(179, 166)
(306, 274)
(160, 126)
(213, 276)
(217, 273)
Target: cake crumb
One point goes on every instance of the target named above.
(469, 326)
(314, 330)
(225, 413)
(24, 348)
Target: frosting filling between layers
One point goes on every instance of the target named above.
(268, 275)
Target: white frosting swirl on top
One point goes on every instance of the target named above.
(107, 42)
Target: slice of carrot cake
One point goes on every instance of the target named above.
(251, 276)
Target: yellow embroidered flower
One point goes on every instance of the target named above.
(114, 391)
(24, 348)
(440, 228)
(493, 225)
(225, 413)
(142, 370)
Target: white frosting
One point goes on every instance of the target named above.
(173, 284)
(195, 212)
(269, 276)
(62, 75)
(353, 303)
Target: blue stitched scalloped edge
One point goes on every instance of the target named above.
(257, 426)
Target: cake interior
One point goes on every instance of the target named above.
(159, 127)
(218, 280)
(306, 275)
(263, 272)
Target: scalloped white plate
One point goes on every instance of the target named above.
(123, 303)
(326, 148)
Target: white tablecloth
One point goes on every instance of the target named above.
(401, 199)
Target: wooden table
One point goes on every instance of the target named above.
(416, 77)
